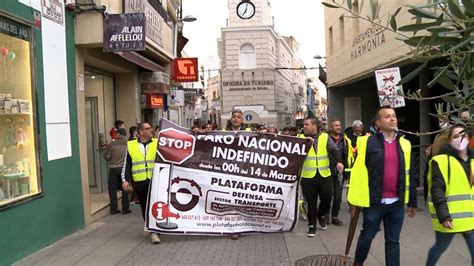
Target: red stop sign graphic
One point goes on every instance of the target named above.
(175, 146)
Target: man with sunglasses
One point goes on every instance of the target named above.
(138, 167)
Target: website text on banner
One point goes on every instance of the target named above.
(225, 182)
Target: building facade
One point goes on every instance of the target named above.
(260, 73)
(355, 49)
(40, 175)
(320, 104)
(213, 96)
(126, 85)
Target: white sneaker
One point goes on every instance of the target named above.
(155, 238)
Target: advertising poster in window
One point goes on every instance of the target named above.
(225, 182)
(19, 177)
(387, 88)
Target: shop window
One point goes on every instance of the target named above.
(19, 175)
(247, 57)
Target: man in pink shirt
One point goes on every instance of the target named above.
(383, 161)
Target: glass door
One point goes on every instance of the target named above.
(92, 137)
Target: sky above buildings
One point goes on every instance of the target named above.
(303, 19)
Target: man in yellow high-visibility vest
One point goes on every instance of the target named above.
(138, 167)
(381, 183)
(316, 181)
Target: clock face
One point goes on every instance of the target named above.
(245, 10)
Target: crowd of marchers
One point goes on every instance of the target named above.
(375, 165)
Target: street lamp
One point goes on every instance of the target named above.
(189, 18)
(322, 75)
(180, 40)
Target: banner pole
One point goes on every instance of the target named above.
(168, 224)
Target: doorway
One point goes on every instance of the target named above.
(100, 112)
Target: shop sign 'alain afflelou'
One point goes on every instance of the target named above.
(124, 32)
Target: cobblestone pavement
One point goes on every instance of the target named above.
(119, 240)
(248, 250)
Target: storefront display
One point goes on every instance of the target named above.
(19, 176)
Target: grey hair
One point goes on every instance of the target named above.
(236, 111)
(357, 123)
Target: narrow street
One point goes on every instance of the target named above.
(118, 240)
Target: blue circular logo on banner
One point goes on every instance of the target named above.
(248, 117)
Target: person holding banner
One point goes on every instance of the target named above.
(316, 174)
(236, 121)
(138, 167)
(381, 183)
(208, 127)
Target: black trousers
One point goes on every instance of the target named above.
(115, 183)
(314, 188)
(141, 188)
(337, 196)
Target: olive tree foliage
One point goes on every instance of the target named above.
(442, 30)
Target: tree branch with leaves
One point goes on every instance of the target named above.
(442, 31)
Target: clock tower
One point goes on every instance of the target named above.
(252, 57)
(262, 15)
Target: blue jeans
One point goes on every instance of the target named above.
(442, 242)
(392, 217)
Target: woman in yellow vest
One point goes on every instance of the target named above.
(451, 194)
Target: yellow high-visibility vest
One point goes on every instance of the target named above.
(359, 192)
(350, 152)
(459, 194)
(317, 160)
(142, 167)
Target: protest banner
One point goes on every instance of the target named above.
(225, 182)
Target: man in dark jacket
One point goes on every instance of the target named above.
(382, 183)
(335, 132)
(355, 131)
(114, 155)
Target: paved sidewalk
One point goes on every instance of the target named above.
(118, 240)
